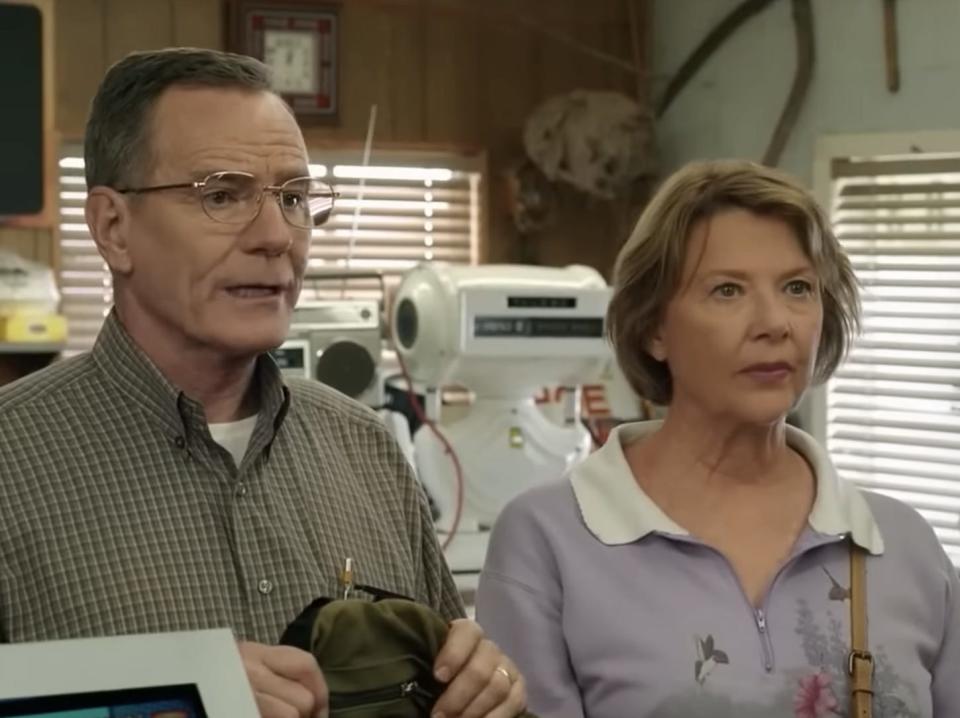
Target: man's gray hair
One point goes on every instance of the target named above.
(117, 142)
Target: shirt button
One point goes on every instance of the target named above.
(179, 442)
(241, 490)
(265, 586)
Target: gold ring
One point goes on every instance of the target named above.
(505, 672)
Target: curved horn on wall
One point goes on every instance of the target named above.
(803, 27)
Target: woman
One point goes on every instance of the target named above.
(700, 566)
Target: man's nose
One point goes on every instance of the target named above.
(270, 232)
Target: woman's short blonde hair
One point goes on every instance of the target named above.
(649, 266)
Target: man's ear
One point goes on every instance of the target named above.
(108, 218)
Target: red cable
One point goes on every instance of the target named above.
(429, 423)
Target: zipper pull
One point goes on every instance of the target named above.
(408, 688)
(761, 622)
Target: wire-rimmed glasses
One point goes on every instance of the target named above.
(234, 197)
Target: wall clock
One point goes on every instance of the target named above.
(299, 41)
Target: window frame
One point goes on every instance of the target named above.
(813, 413)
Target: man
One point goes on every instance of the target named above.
(170, 480)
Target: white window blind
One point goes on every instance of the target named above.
(85, 287)
(893, 408)
(401, 209)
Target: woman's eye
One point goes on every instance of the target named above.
(799, 287)
(727, 290)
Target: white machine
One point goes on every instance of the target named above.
(337, 342)
(503, 332)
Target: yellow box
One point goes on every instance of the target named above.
(33, 329)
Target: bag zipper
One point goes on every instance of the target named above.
(339, 701)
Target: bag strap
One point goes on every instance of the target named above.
(860, 660)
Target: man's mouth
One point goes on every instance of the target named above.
(254, 291)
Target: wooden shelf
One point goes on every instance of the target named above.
(30, 348)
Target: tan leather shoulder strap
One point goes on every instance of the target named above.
(860, 661)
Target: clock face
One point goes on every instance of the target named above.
(298, 41)
(292, 56)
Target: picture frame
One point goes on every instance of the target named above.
(299, 40)
(200, 672)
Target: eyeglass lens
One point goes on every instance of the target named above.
(231, 198)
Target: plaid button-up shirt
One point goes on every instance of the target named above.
(120, 514)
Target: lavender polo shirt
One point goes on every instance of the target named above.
(612, 610)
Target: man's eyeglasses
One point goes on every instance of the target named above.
(237, 198)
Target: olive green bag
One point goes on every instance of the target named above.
(377, 656)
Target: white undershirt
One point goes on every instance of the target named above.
(234, 436)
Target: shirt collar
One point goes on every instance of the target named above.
(124, 364)
(617, 511)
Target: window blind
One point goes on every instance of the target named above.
(893, 408)
(85, 287)
(400, 209)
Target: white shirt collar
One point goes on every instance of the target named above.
(617, 511)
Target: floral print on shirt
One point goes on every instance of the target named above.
(815, 697)
(819, 692)
(828, 650)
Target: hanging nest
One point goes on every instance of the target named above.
(599, 142)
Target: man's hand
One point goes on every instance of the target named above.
(483, 683)
(286, 681)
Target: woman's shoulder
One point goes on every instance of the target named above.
(899, 523)
(542, 506)
(533, 535)
(909, 538)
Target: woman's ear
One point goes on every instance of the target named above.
(656, 347)
(108, 218)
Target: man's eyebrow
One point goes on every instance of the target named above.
(291, 173)
(204, 172)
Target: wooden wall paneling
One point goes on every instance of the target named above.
(407, 89)
(639, 86)
(508, 75)
(559, 69)
(576, 231)
(32, 243)
(584, 229)
(507, 91)
(45, 249)
(365, 71)
(131, 25)
(451, 71)
(562, 68)
(80, 61)
(22, 240)
(197, 23)
(625, 210)
(581, 232)
(612, 35)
